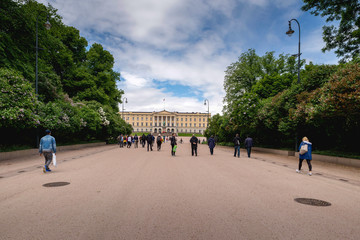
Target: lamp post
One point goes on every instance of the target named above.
(289, 33)
(123, 101)
(206, 100)
(47, 26)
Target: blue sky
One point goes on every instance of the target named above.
(180, 49)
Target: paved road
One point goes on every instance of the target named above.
(134, 194)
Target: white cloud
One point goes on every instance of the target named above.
(188, 42)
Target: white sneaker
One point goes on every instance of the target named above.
(310, 173)
(298, 171)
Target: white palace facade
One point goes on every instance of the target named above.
(167, 122)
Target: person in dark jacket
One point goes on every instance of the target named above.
(248, 145)
(305, 155)
(211, 143)
(143, 140)
(194, 143)
(149, 139)
(237, 145)
(173, 144)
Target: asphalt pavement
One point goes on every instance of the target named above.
(121, 193)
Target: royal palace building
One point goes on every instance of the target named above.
(168, 122)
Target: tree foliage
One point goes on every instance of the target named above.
(346, 37)
(276, 109)
(78, 97)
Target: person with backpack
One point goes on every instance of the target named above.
(237, 145)
(158, 142)
(305, 150)
(194, 143)
(173, 144)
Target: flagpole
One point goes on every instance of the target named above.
(164, 103)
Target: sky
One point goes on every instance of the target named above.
(173, 54)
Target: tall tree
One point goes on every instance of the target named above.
(346, 37)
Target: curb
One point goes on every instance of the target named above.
(35, 151)
(322, 158)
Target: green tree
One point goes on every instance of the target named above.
(242, 75)
(345, 38)
(271, 85)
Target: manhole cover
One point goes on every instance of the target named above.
(56, 184)
(312, 202)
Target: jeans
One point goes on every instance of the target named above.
(237, 149)
(193, 149)
(308, 162)
(248, 151)
(212, 151)
(149, 145)
(48, 158)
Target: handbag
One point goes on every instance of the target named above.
(303, 149)
(54, 160)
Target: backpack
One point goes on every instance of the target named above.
(158, 139)
(303, 149)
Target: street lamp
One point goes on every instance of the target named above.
(123, 101)
(47, 26)
(206, 100)
(289, 33)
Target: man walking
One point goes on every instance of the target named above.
(248, 145)
(237, 145)
(211, 144)
(158, 142)
(149, 139)
(194, 143)
(47, 147)
(173, 144)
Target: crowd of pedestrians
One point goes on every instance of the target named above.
(47, 146)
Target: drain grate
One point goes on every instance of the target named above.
(21, 171)
(312, 202)
(344, 180)
(56, 184)
(1, 177)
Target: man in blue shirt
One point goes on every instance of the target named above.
(47, 147)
